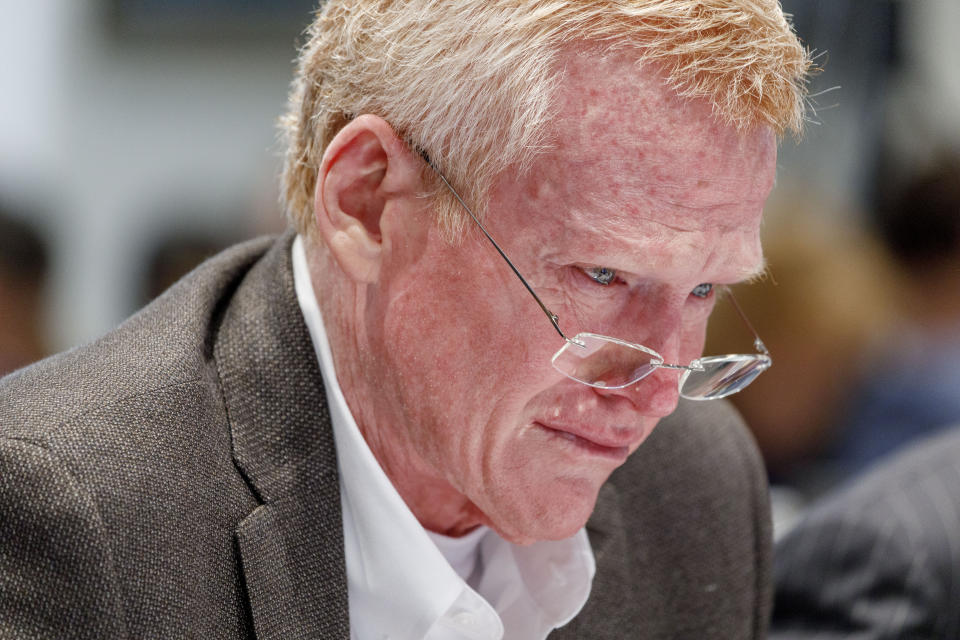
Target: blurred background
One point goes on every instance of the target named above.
(137, 137)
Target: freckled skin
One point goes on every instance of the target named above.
(445, 360)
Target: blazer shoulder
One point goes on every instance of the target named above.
(701, 440)
(167, 343)
(132, 446)
(694, 509)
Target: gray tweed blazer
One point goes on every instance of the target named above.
(177, 479)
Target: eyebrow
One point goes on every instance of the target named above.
(744, 275)
(757, 274)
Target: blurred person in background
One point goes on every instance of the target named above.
(24, 262)
(355, 430)
(824, 302)
(172, 256)
(880, 558)
(910, 384)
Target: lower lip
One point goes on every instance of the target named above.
(588, 447)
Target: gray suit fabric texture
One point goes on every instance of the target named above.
(881, 558)
(177, 478)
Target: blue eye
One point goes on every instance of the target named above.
(600, 275)
(702, 290)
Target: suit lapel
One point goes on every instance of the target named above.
(293, 568)
(291, 546)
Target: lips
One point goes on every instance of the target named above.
(603, 445)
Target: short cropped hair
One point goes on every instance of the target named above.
(472, 82)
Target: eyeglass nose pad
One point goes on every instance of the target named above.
(694, 365)
(684, 371)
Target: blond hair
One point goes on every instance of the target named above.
(472, 81)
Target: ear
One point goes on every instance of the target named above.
(365, 169)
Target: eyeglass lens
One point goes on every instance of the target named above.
(601, 361)
(722, 376)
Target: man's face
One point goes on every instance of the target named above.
(637, 182)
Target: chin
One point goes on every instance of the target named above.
(557, 516)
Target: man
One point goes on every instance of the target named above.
(881, 558)
(359, 432)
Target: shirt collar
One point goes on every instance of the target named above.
(399, 583)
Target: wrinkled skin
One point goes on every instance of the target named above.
(444, 357)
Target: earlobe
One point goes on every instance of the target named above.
(356, 179)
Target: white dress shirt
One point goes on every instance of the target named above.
(407, 583)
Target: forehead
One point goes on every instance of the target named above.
(631, 162)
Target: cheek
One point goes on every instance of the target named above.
(460, 352)
(433, 346)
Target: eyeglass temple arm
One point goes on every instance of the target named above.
(554, 320)
(757, 342)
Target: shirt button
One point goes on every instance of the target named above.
(465, 619)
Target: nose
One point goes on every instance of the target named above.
(658, 326)
(656, 395)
